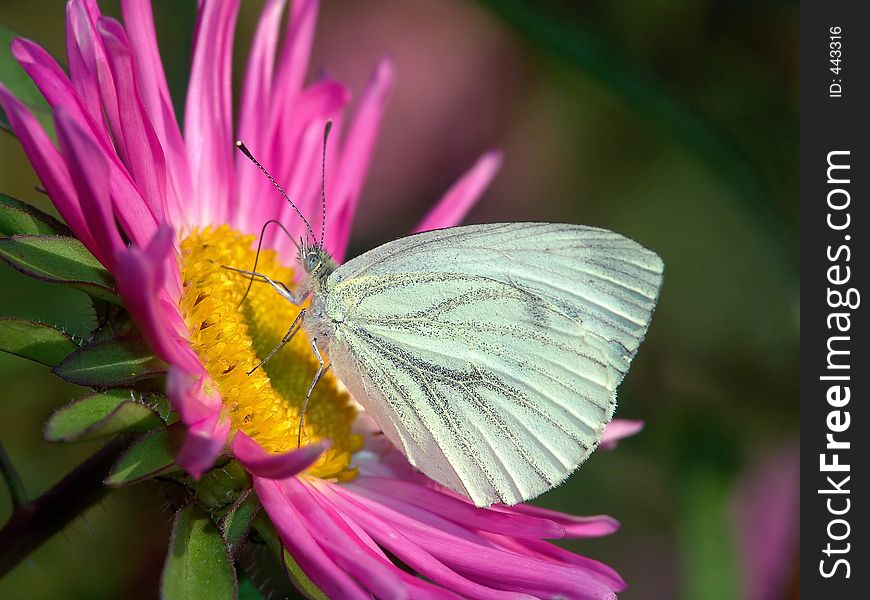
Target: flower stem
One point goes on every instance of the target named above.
(35, 521)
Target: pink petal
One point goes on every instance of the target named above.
(295, 53)
(420, 514)
(139, 24)
(207, 429)
(135, 216)
(208, 120)
(459, 511)
(261, 201)
(152, 86)
(93, 72)
(462, 196)
(601, 580)
(48, 164)
(189, 397)
(300, 150)
(144, 155)
(356, 156)
(544, 550)
(311, 195)
(202, 445)
(273, 135)
(256, 91)
(53, 83)
(617, 430)
(417, 587)
(322, 570)
(81, 67)
(303, 176)
(408, 551)
(138, 215)
(493, 567)
(88, 169)
(373, 571)
(274, 466)
(577, 527)
(141, 279)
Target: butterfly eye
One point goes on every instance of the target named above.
(311, 262)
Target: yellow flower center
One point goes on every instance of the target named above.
(231, 337)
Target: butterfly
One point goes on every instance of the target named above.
(489, 354)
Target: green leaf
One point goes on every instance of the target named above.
(17, 217)
(236, 523)
(59, 259)
(101, 415)
(151, 455)
(116, 362)
(19, 83)
(37, 341)
(198, 564)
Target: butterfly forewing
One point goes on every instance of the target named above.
(490, 354)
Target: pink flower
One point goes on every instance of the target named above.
(163, 209)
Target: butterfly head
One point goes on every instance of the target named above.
(316, 261)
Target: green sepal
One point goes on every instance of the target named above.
(37, 341)
(111, 363)
(101, 415)
(151, 455)
(222, 485)
(17, 217)
(198, 563)
(59, 259)
(19, 83)
(237, 520)
(300, 579)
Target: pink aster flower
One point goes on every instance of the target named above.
(163, 209)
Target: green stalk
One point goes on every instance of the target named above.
(34, 522)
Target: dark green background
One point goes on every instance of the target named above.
(674, 123)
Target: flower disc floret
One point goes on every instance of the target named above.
(232, 336)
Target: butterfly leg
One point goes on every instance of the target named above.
(253, 270)
(297, 324)
(280, 287)
(321, 371)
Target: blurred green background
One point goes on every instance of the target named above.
(675, 123)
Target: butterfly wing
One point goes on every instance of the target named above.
(490, 354)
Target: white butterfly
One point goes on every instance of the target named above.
(488, 354)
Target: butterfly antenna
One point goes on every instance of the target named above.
(250, 156)
(260, 247)
(326, 131)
